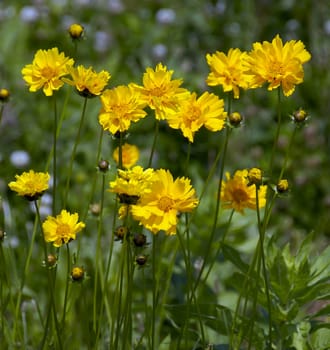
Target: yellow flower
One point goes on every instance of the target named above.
(193, 113)
(159, 91)
(120, 106)
(158, 208)
(87, 82)
(131, 184)
(76, 31)
(228, 71)
(282, 186)
(46, 70)
(278, 64)
(30, 185)
(61, 229)
(237, 193)
(130, 155)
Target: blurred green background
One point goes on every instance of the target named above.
(124, 37)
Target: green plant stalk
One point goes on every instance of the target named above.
(154, 143)
(54, 155)
(154, 291)
(98, 256)
(1, 111)
(74, 150)
(93, 187)
(277, 133)
(68, 263)
(287, 154)
(25, 273)
(51, 283)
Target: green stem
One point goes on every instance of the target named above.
(54, 155)
(154, 143)
(154, 290)
(68, 262)
(74, 150)
(51, 282)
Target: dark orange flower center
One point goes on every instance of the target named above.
(239, 195)
(63, 230)
(165, 203)
(48, 72)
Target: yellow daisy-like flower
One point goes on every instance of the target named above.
(46, 70)
(278, 64)
(238, 193)
(120, 106)
(131, 184)
(158, 208)
(30, 185)
(228, 71)
(193, 113)
(159, 91)
(130, 155)
(61, 229)
(87, 82)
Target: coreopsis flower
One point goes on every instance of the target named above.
(131, 184)
(193, 113)
(61, 229)
(120, 106)
(277, 64)
(158, 208)
(87, 82)
(159, 91)
(30, 185)
(76, 31)
(228, 71)
(238, 193)
(130, 155)
(46, 71)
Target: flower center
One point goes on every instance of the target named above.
(63, 230)
(239, 195)
(194, 113)
(165, 203)
(48, 72)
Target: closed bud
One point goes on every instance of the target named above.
(103, 165)
(140, 240)
(76, 31)
(121, 232)
(77, 274)
(255, 176)
(282, 186)
(141, 259)
(235, 119)
(299, 116)
(4, 95)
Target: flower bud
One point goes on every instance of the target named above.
(235, 119)
(299, 116)
(51, 260)
(95, 209)
(4, 95)
(140, 240)
(255, 176)
(282, 186)
(141, 259)
(2, 235)
(77, 274)
(76, 31)
(121, 232)
(103, 165)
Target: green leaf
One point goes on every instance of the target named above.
(320, 339)
(234, 256)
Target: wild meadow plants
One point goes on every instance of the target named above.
(134, 254)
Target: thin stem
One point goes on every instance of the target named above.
(54, 154)
(154, 143)
(68, 262)
(74, 150)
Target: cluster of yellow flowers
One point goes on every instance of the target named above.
(153, 197)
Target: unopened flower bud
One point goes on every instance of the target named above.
(140, 240)
(2, 235)
(282, 186)
(103, 165)
(51, 260)
(95, 209)
(141, 259)
(299, 116)
(4, 95)
(77, 274)
(255, 176)
(121, 232)
(76, 31)
(235, 119)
